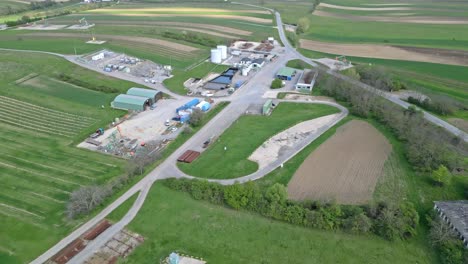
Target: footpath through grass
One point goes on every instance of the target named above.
(171, 220)
(246, 135)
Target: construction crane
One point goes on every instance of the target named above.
(83, 22)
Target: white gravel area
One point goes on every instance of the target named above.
(290, 138)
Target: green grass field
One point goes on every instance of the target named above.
(221, 235)
(41, 121)
(428, 77)
(241, 141)
(347, 30)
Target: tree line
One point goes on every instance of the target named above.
(32, 6)
(379, 78)
(388, 221)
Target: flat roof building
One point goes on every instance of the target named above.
(455, 214)
(152, 95)
(306, 80)
(286, 73)
(130, 102)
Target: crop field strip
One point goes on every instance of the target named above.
(37, 181)
(18, 113)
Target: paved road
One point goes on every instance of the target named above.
(250, 94)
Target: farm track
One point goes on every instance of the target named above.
(396, 19)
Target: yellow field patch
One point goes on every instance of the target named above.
(177, 9)
(243, 18)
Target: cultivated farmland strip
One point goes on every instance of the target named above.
(4, 164)
(68, 126)
(51, 111)
(13, 121)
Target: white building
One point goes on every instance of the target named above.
(306, 80)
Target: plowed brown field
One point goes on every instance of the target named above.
(345, 168)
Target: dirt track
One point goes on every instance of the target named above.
(451, 57)
(345, 168)
(365, 8)
(396, 19)
(165, 43)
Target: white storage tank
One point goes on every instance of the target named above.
(223, 50)
(216, 56)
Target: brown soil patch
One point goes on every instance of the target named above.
(397, 19)
(243, 18)
(451, 57)
(365, 8)
(345, 168)
(153, 41)
(460, 123)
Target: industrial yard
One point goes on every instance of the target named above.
(147, 131)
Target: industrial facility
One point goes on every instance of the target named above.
(221, 82)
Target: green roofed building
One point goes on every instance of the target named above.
(152, 95)
(286, 73)
(266, 110)
(130, 102)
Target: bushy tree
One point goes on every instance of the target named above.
(276, 193)
(276, 84)
(303, 25)
(196, 118)
(441, 176)
(358, 224)
(85, 199)
(236, 196)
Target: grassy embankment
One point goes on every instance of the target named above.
(221, 235)
(244, 136)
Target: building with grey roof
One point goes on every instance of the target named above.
(455, 214)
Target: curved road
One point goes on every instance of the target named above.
(249, 94)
